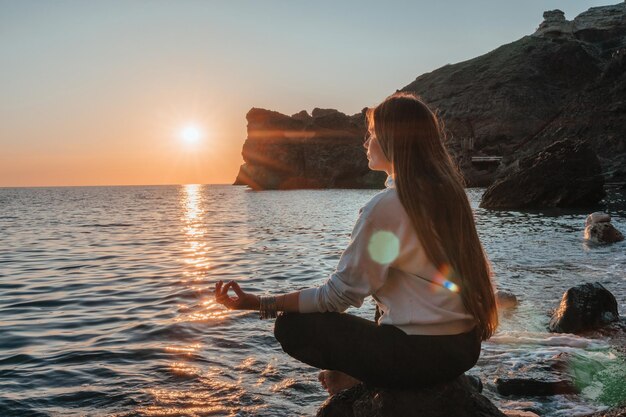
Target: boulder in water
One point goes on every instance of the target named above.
(584, 307)
(565, 174)
(598, 229)
(505, 299)
(547, 377)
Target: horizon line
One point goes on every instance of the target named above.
(108, 185)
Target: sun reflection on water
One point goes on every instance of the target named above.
(205, 391)
(196, 253)
(211, 395)
(184, 349)
(196, 259)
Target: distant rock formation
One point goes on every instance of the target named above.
(565, 174)
(567, 80)
(321, 150)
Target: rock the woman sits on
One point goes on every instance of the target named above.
(415, 250)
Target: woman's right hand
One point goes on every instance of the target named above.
(243, 301)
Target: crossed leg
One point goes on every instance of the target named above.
(378, 355)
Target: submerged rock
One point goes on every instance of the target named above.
(565, 174)
(598, 229)
(548, 377)
(614, 412)
(505, 299)
(530, 387)
(457, 398)
(584, 307)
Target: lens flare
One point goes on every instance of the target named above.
(443, 279)
(451, 286)
(384, 247)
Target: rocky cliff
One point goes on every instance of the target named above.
(565, 81)
(321, 150)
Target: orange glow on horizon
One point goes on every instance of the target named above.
(152, 146)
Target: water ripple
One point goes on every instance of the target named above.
(107, 295)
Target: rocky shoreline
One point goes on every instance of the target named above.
(567, 80)
(588, 309)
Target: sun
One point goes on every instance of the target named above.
(191, 134)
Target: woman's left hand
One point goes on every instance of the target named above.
(243, 301)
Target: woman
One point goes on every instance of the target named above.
(415, 250)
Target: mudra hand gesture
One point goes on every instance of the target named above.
(267, 306)
(243, 300)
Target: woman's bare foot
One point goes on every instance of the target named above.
(335, 381)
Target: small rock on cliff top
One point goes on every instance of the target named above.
(565, 174)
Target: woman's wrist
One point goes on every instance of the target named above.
(256, 304)
(268, 308)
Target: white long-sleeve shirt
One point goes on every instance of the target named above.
(385, 259)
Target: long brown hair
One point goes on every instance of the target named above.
(431, 189)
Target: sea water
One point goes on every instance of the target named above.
(106, 298)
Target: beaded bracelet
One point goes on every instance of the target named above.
(267, 308)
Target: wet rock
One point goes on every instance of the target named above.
(598, 229)
(535, 387)
(603, 233)
(475, 382)
(614, 334)
(614, 412)
(565, 174)
(597, 217)
(457, 398)
(519, 413)
(548, 377)
(505, 299)
(322, 150)
(584, 307)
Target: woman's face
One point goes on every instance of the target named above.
(375, 155)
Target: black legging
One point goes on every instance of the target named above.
(378, 355)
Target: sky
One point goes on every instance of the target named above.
(99, 92)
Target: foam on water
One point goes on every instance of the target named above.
(546, 339)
